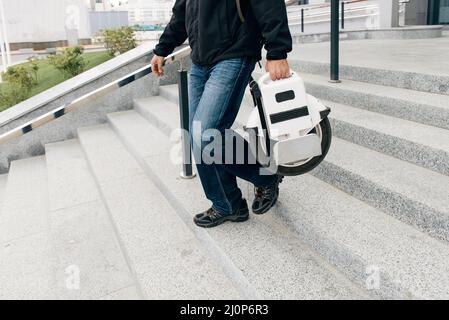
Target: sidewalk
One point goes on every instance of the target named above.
(427, 56)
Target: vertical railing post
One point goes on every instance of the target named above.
(302, 20)
(342, 14)
(187, 171)
(335, 41)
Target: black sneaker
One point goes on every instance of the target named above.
(266, 197)
(212, 218)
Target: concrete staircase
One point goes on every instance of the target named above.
(109, 209)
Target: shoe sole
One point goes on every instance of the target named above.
(223, 220)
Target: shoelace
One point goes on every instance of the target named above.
(263, 192)
(212, 213)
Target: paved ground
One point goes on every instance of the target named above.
(421, 56)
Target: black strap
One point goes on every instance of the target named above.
(257, 99)
(239, 10)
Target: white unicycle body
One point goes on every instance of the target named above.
(288, 130)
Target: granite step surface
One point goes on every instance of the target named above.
(166, 258)
(272, 259)
(367, 242)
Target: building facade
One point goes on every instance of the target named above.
(101, 20)
(438, 12)
(140, 12)
(41, 24)
(46, 23)
(150, 12)
(417, 12)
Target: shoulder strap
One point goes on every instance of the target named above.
(239, 10)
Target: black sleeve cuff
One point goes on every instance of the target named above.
(276, 55)
(160, 52)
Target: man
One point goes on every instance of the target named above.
(226, 37)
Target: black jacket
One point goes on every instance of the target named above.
(216, 32)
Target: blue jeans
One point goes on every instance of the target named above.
(216, 93)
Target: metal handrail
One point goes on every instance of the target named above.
(327, 20)
(318, 15)
(78, 102)
(310, 14)
(327, 5)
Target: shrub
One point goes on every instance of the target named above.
(20, 80)
(120, 40)
(70, 62)
(34, 67)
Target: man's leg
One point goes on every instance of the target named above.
(197, 82)
(217, 109)
(199, 76)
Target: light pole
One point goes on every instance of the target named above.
(5, 35)
(2, 51)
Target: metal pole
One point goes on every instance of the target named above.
(5, 35)
(335, 39)
(3, 53)
(342, 14)
(187, 171)
(302, 20)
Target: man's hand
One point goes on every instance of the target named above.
(278, 69)
(157, 65)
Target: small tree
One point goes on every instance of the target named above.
(70, 62)
(120, 40)
(20, 80)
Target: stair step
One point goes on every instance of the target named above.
(169, 92)
(366, 240)
(163, 106)
(274, 261)
(418, 81)
(81, 232)
(129, 293)
(415, 195)
(406, 140)
(70, 181)
(391, 258)
(3, 182)
(426, 108)
(167, 259)
(25, 252)
(26, 189)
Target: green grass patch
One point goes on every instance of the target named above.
(49, 77)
